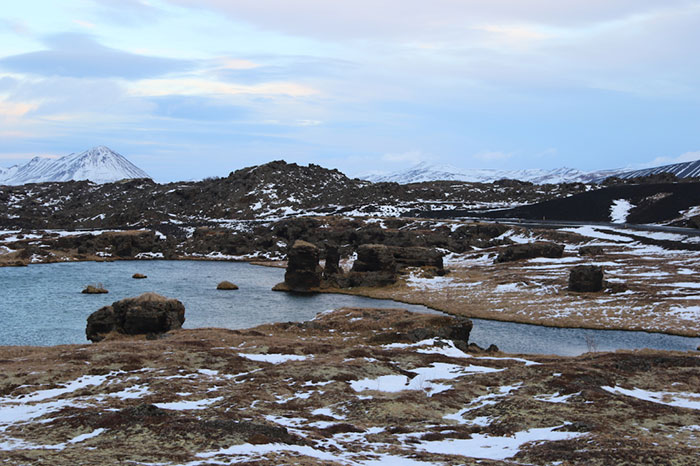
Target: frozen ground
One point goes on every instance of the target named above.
(345, 389)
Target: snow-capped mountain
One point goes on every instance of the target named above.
(681, 170)
(429, 172)
(99, 165)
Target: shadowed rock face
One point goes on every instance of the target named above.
(374, 258)
(332, 266)
(303, 271)
(586, 278)
(529, 251)
(149, 313)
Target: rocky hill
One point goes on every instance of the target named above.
(271, 191)
(679, 170)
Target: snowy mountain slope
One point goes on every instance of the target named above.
(428, 172)
(99, 164)
(8, 172)
(681, 170)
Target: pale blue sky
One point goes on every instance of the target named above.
(194, 88)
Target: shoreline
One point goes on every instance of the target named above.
(400, 294)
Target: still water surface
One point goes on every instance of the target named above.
(42, 305)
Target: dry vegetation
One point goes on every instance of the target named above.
(345, 388)
(649, 288)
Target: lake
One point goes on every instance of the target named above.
(43, 305)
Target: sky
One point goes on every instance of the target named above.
(188, 89)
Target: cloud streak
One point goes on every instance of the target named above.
(81, 56)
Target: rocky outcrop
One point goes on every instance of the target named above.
(453, 328)
(586, 278)
(379, 265)
(457, 330)
(530, 251)
(417, 257)
(374, 266)
(139, 276)
(226, 285)
(147, 314)
(303, 271)
(374, 258)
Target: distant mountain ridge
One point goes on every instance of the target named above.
(99, 165)
(428, 172)
(681, 170)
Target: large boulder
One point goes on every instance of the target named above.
(303, 270)
(149, 313)
(586, 278)
(529, 251)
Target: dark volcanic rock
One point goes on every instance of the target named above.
(417, 257)
(374, 266)
(368, 279)
(457, 330)
(139, 276)
(303, 271)
(529, 251)
(454, 328)
(92, 289)
(590, 251)
(586, 278)
(374, 258)
(149, 313)
(378, 265)
(332, 266)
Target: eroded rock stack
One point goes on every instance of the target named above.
(303, 271)
(376, 265)
(149, 313)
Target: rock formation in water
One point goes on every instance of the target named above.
(303, 270)
(226, 285)
(147, 314)
(94, 289)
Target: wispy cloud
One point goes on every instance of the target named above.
(205, 87)
(81, 56)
